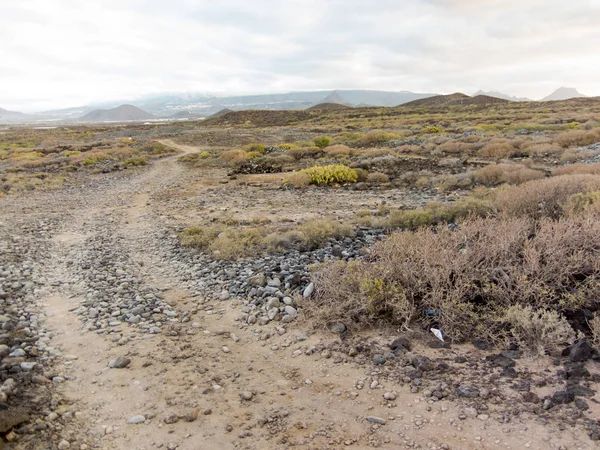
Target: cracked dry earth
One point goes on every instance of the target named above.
(195, 376)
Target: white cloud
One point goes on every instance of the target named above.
(59, 53)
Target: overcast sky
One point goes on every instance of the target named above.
(61, 53)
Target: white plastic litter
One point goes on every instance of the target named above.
(438, 334)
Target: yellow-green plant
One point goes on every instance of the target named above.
(322, 141)
(332, 174)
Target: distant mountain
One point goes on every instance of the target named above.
(184, 115)
(328, 106)
(563, 93)
(455, 99)
(222, 112)
(205, 105)
(119, 114)
(10, 115)
(502, 96)
(335, 98)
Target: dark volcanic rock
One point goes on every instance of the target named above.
(581, 351)
(400, 343)
(467, 391)
(562, 397)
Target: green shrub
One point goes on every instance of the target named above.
(134, 162)
(432, 129)
(258, 148)
(322, 141)
(204, 155)
(332, 174)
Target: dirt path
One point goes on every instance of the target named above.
(202, 379)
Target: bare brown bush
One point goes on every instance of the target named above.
(378, 178)
(575, 138)
(495, 174)
(577, 154)
(593, 169)
(498, 149)
(338, 151)
(233, 156)
(543, 198)
(470, 277)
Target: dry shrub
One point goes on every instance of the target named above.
(577, 154)
(594, 325)
(361, 174)
(199, 237)
(450, 162)
(298, 179)
(495, 174)
(538, 331)
(471, 276)
(306, 153)
(374, 152)
(542, 149)
(472, 139)
(409, 149)
(498, 149)
(375, 137)
(450, 147)
(237, 242)
(338, 151)
(436, 212)
(316, 232)
(455, 147)
(575, 138)
(378, 178)
(22, 182)
(451, 182)
(543, 198)
(581, 202)
(234, 156)
(593, 169)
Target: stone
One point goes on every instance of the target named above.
(375, 419)
(28, 366)
(580, 351)
(171, 418)
(467, 391)
(224, 295)
(337, 327)
(136, 419)
(502, 361)
(400, 343)
(291, 311)
(389, 396)
(562, 397)
(379, 360)
(63, 445)
(273, 302)
(246, 395)
(308, 291)
(120, 362)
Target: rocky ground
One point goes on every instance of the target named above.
(113, 337)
